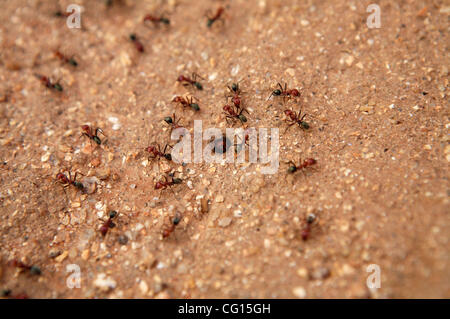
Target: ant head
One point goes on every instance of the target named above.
(304, 125)
(168, 120)
(210, 23)
(277, 92)
(235, 87)
(198, 86)
(292, 169)
(61, 176)
(112, 214)
(242, 118)
(195, 107)
(133, 37)
(104, 230)
(168, 157)
(165, 21)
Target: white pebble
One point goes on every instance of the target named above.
(299, 292)
(235, 70)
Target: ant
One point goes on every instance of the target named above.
(221, 145)
(65, 59)
(295, 118)
(108, 224)
(89, 133)
(175, 221)
(230, 113)
(7, 293)
(155, 151)
(215, 17)
(34, 270)
(138, 44)
(234, 89)
(46, 81)
(186, 102)
(306, 231)
(172, 122)
(284, 92)
(164, 184)
(67, 181)
(156, 20)
(191, 81)
(306, 163)
(239, 147)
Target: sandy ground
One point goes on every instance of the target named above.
(377, 105)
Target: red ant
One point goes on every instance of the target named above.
(138, 44)
(89, 133)
(65, 59)
(172, 121)
(230, 113)
(155, 151)
(175, 221)
(164, 184)
(284, 92)
(239, 147)
(67, 181)
(306, 163)
(215, 17)
(46, 81)
(306, 231)
(156, 20)
(234, 89)
(221, 145)
(295, 118)
(34, 270)
(108, 224)
(191, 81)
(186, 102)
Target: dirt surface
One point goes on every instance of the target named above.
(376, 102)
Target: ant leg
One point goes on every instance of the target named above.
(302, 117)
(65, 193)
(281, 87)
(288, 127)
(99, 130)
(195, 76)
(208, 14)
(293, 164)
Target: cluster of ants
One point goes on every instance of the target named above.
(233, 110)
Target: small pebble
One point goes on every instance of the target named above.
(224, 222)
(123, 240)
(299, 292)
